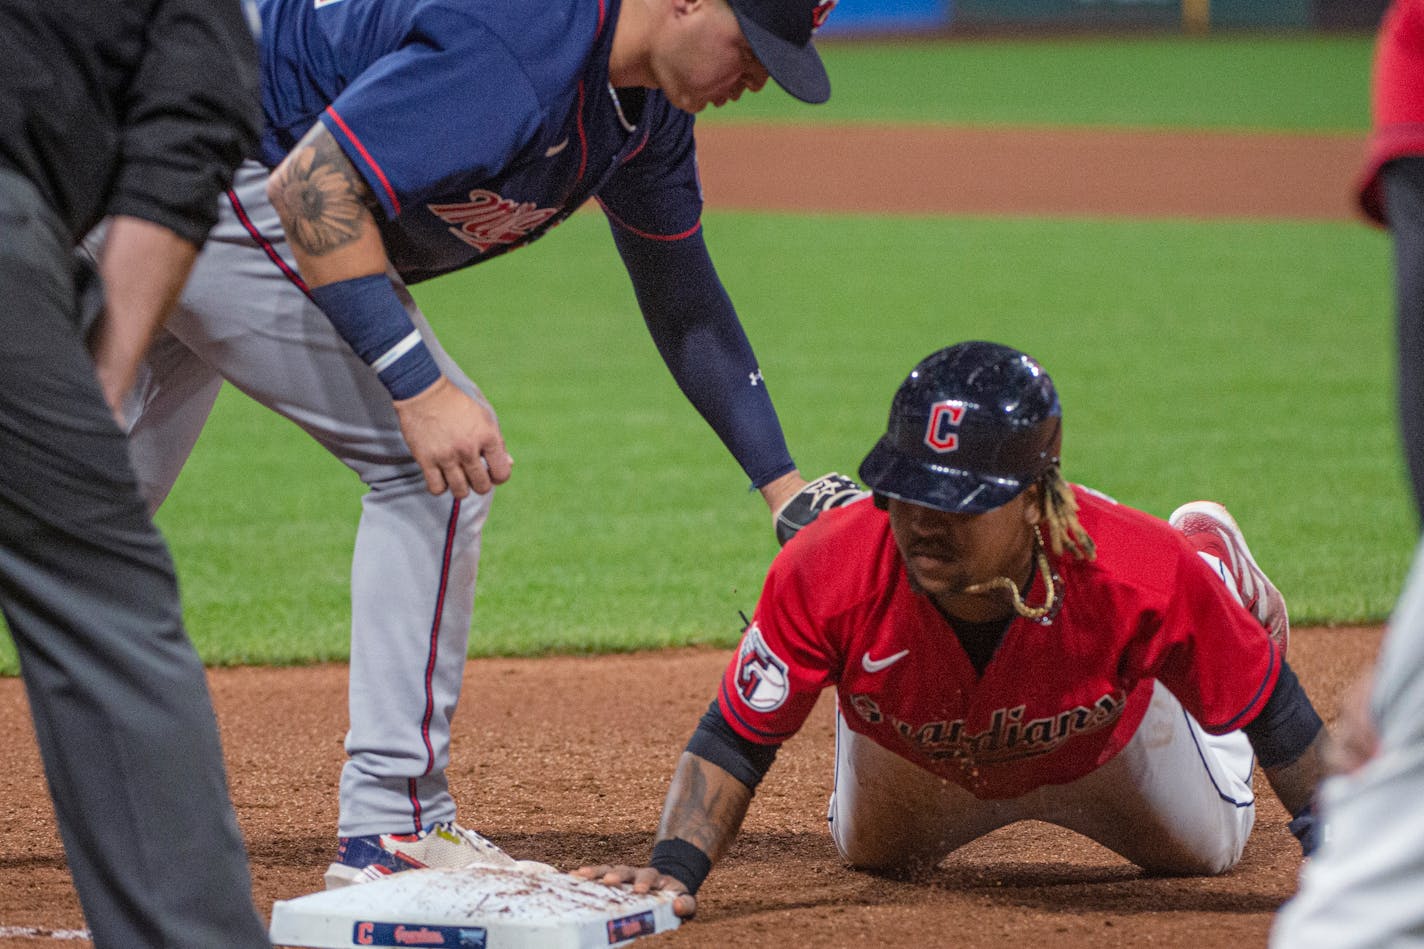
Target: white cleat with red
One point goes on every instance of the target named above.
(1213, 531)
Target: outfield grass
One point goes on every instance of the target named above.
(1250, 362)
(1246, 362)
(1292, 83)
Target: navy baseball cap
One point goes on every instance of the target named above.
(970, 428)
(779, 32)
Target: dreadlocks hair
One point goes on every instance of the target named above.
(1060, 513)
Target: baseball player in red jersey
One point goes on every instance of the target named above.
(1004, 646)
(1392, 195)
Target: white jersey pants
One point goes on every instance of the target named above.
(1364, 888)
(243, 318)
(1175, 800)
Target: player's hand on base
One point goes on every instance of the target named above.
(454, 439)
(642, 880)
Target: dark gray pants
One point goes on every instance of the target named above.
(1404, 197)
(120, 704)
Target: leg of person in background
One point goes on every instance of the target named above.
(121, 710)
(1404, 196)
(1362, 888)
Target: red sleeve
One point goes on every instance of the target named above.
(1397, 99)
(783, 663)
(1208, 649)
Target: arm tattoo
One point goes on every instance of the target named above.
(706, 807)
(321, 197)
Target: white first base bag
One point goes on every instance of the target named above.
(475, 907)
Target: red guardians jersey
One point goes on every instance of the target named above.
(1057, 700)
(1398, 99)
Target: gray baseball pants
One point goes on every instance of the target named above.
(120, 705)
(1364, 888)
(245, 318)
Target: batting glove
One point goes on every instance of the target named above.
(803, 507)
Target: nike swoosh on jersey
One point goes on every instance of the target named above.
(553, 150)
(880, 665)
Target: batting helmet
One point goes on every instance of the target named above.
(970, 428)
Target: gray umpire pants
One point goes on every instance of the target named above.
(120, 704)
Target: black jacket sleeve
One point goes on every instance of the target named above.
(191, 114)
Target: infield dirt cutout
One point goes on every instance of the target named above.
(566, 759)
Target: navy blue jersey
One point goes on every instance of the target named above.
(548, 134)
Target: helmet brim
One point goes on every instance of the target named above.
(886, 470)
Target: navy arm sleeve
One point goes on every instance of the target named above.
(697, 333)
(1287, 724)
(717, 742)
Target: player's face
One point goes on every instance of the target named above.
(703, 59)
(944, 553)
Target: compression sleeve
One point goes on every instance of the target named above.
(369, 316)
(1287, 724)
(717, 742)
(696, 330)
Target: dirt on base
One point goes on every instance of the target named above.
(554, 764)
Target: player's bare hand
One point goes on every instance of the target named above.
(642, 880)
(455, 440)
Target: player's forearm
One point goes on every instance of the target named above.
(143, 267)
(1295, 783)
(325, 207)
(705, 806)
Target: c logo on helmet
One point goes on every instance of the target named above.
(945, 417)
(819, 14)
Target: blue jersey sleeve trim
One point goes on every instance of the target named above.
(386, 193)
(1269, 679)
(619, 222)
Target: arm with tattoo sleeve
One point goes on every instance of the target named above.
(328, 212)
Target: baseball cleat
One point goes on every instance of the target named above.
(1212, 530)
(447, 845)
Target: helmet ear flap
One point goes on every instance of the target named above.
(881, 501)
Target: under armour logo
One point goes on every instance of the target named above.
(755, 376)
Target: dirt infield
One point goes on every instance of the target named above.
(552, 763)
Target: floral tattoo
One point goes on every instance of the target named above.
(321, 197)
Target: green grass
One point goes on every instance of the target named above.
(1305, 82)
(1243, 361)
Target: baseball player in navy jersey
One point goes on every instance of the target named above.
(405, 139)
(1004, 646)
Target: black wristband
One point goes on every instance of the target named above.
(682, 861)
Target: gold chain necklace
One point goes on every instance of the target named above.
(1051, 590)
